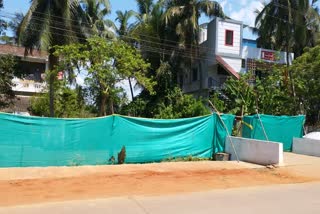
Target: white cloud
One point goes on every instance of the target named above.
(246, 14)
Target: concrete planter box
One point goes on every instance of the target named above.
(255, 151)
(305, 146)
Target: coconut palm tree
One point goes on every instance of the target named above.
(123, 19)
(185, 15)
(288, 25)
(95, 22)
(14, 25)
(145, 8)
(123, 32)
(49, 23)
(151, 31)
(188, 12)
(2, 22)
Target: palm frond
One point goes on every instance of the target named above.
(210, 8)
(172, 13)
(144, 6)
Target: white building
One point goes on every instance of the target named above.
(31, 82)
(223, 53)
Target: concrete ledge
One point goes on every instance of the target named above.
(255, 151)
(305, 146)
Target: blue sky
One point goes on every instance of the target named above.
(242, 10)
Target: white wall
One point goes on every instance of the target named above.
(203, 35)
(255, 151)
(221, 30)
(27, 86)
(211, 40)
(306, 146)
(233, 62)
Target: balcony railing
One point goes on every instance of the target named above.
(32, 86)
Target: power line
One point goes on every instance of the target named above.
(145, 41)
(140, 34)
(40, 19)
(286, 21)
(276, 3)
(147, 48)
(81, 28)
(63, 18)
(288, 8)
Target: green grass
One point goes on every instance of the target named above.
(189, 158)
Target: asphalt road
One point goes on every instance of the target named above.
(293, 199)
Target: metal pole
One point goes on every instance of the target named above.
(263, 129)
(224, 125)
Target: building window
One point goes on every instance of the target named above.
(181, 81)
(243, 63)
(210, 82)
(229, 38)
(222, 71)
(194, 74)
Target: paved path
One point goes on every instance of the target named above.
(302, 165)
(293, 199)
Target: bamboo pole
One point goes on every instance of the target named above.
(226, 128)
(262, 126)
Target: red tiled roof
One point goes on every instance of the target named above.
(20, 51)
(226, 66)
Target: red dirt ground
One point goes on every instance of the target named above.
(137, 182)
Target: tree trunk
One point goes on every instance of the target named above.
(200, 76)
(290, 75)
(200, 68)
(111, 105)
(291, 81)
(131, 90)
(288, 71)
(51, 94)
(53, 61)
(102, 110)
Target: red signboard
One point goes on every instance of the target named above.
(60, 75)
(268, 55)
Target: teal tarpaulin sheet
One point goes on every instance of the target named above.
(278, 128)
(37, 141)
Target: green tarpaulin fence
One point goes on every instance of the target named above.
(36, 141)
(278, 128)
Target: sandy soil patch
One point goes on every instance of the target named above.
(138, 180)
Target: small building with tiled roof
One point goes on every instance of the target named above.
(32, 67)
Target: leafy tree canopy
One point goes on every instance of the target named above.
(268, 95)
(8, 66)
(307, 77)
(106, 63)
